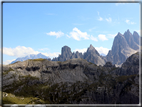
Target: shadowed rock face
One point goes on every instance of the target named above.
(74, 81)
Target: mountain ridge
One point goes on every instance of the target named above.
(31, 56)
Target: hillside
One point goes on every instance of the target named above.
(74, 81)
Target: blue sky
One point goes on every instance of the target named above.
(31, 28)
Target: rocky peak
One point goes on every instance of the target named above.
(130, 40)
(66, 50)
(128, 31)
(119, 42)
(92, 50)
(119, 34)
(91, 47)
(135, 33)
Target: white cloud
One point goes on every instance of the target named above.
(19, 51)
(8, 61)
(93, 38)
(109, 19)
(81, 50)
(102, 50)
(102, 37)
(57, 34)
(129, 22)
(112, 35)
(78, 35)
(100, 19)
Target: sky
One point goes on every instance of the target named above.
(32, 28)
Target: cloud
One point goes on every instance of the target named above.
(22, 51)
(81, 50)
(112, 35)
(19, 51)
(102, 37)
(8, 61)
(109, 19)
(129, 22)
(102, 50)
(100, 19)
(78, 35)
(93, 38)
(57, 34)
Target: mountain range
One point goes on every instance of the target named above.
(123, 46)
(31, 56)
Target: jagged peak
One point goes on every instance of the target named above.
(127, 32)
(119, 34)
(135, 33)
(91, 47)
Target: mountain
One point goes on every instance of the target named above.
(132, 40)
(66, 54)
(91, 55)
(123, 46)
(31, 56)
(75, 81)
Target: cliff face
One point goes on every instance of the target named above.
(74, 81)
